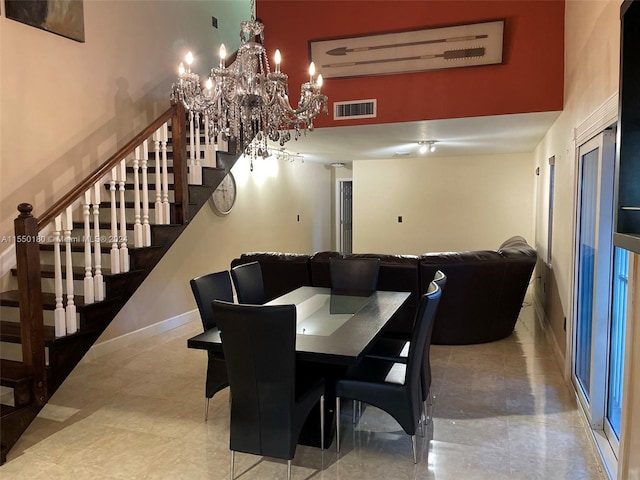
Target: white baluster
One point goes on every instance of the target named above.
(59, 313)
(146, 228)
(72, 322)
(115, 254)
(192, 160)
(88, 278)
(197, 173)
(124, 250)
(166, 215)
(98, 279)
(137, 225)
(158, 206)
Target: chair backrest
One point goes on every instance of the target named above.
(420, 336)
(247, 279)
(206, 289)
(354, 276)
(259, 349)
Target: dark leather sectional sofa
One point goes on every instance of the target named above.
(480, 303)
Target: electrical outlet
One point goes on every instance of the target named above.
(399, 218)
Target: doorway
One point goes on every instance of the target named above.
(344, 216)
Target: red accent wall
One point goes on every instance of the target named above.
(530, 79)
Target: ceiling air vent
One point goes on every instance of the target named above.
(354, 109)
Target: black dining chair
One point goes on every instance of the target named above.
(269, 404)
(206, 289)
(391, 386)
(354, 276)
(247, 278)
(395, 349)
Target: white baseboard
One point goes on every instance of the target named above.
(109, 346)
(541, 315)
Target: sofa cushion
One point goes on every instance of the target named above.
(469, 304)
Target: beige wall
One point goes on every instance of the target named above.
(592, 38)
(446, 203)
(264, 218)
(65, 105)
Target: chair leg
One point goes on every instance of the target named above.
(288, 469)
(353, 416)
(322, 422)
(338, 424)
(233, 457)
(206, 408)
(413, 448)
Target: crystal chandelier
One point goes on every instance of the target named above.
(247, 102)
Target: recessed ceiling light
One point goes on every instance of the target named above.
(427, 145)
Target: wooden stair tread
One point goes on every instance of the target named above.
(129, 188)
(13, 373)
(48, 271)
(104, 226)
(10, 332)
(6, 410)
(151, 170)
(152, 205)
(11, 298)
(105, 247)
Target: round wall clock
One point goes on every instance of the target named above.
(224, 196)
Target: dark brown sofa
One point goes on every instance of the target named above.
(480, 303)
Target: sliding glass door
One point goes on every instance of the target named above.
(594, 251)
(601, 280)
(616, 349)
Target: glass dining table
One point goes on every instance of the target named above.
(333, 332)
(331, 328)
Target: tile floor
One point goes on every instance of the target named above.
(502, 411)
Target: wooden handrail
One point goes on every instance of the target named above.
(77, 191)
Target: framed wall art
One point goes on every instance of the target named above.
(62, 17)
(409, 51)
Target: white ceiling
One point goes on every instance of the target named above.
(455, 137)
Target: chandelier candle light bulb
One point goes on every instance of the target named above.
(277, 59)
(312, 71)
(223, 55)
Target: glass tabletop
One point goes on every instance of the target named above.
(331, 328)
(322, 313)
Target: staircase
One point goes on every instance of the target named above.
(43, 338)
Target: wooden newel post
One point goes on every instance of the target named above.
(180, 174)
(31, 321)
